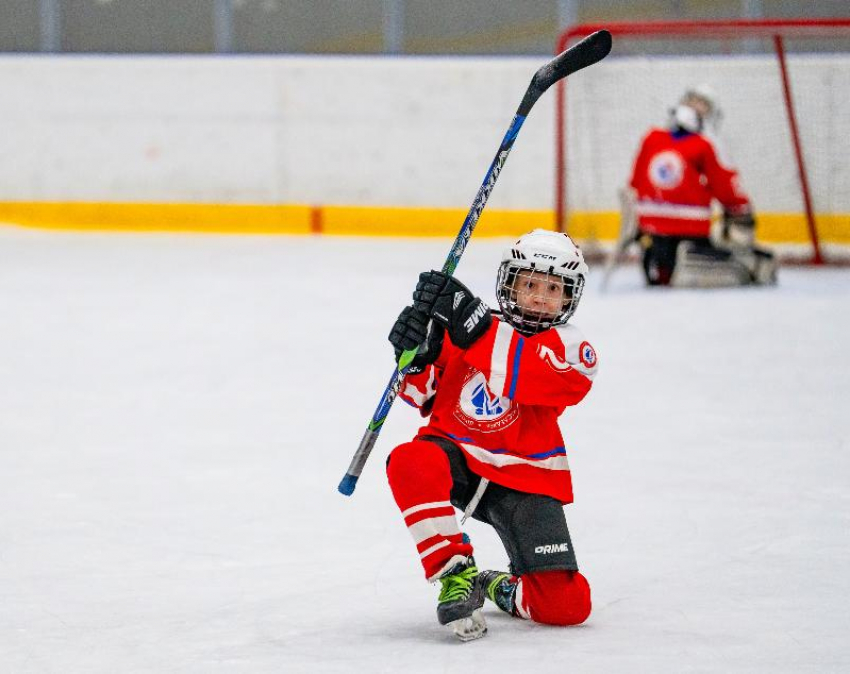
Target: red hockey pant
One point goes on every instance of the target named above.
(421, 481)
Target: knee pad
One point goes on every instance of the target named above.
(554, 597)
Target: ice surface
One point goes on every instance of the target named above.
(176, 413)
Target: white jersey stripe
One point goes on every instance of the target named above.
(679, 211)
(434, 526)
(426, 506)
(557, 462)
(499, 358)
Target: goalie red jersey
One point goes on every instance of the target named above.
(676, 175)
(500, 401)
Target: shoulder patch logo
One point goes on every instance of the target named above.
(587, 355)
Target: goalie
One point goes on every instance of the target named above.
(676, 177)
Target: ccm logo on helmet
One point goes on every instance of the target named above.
(549, 549)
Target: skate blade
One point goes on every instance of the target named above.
(468, 629)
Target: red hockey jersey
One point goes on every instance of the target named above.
(675, 177)
(500, 400)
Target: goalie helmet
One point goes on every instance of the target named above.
(540, 281)
(698, 109)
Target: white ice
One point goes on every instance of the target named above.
(177, 411)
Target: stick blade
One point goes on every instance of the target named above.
(590, 50)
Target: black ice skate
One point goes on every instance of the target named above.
(500, 589)
(461, 600)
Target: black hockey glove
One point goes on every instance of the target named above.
(413, 328)
(452, 304)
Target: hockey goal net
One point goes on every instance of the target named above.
(782, 87)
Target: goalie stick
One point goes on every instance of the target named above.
(629, 234)
(591, 50)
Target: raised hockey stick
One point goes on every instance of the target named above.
(587, 52)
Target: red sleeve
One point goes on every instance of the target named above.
(723, 182)
(528, 370)
(418, 389)
(639, 167)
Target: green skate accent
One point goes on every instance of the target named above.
(499, 589)
(458, 585)
(493, 585)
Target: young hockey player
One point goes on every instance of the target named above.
(675, 178)
(493, 387)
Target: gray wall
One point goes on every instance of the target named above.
(344, 26)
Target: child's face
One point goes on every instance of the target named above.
(539, 294)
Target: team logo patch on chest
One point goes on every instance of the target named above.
(666, 170)
(480, 409)
(587, 355)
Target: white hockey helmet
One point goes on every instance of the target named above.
(549, 261)
(703, 99)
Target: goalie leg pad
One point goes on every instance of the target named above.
(764, 267)
(701, 265)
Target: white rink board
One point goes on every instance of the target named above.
(175, 417)
(375, 131)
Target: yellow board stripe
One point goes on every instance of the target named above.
(360, 220)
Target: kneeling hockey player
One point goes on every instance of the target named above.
(676, 176)
(494, 385)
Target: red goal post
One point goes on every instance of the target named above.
(794, 160)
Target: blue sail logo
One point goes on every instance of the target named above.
(485, 403)
(480, 409)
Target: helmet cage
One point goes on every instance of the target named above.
(521, 318)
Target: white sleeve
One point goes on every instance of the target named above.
(578, 351)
